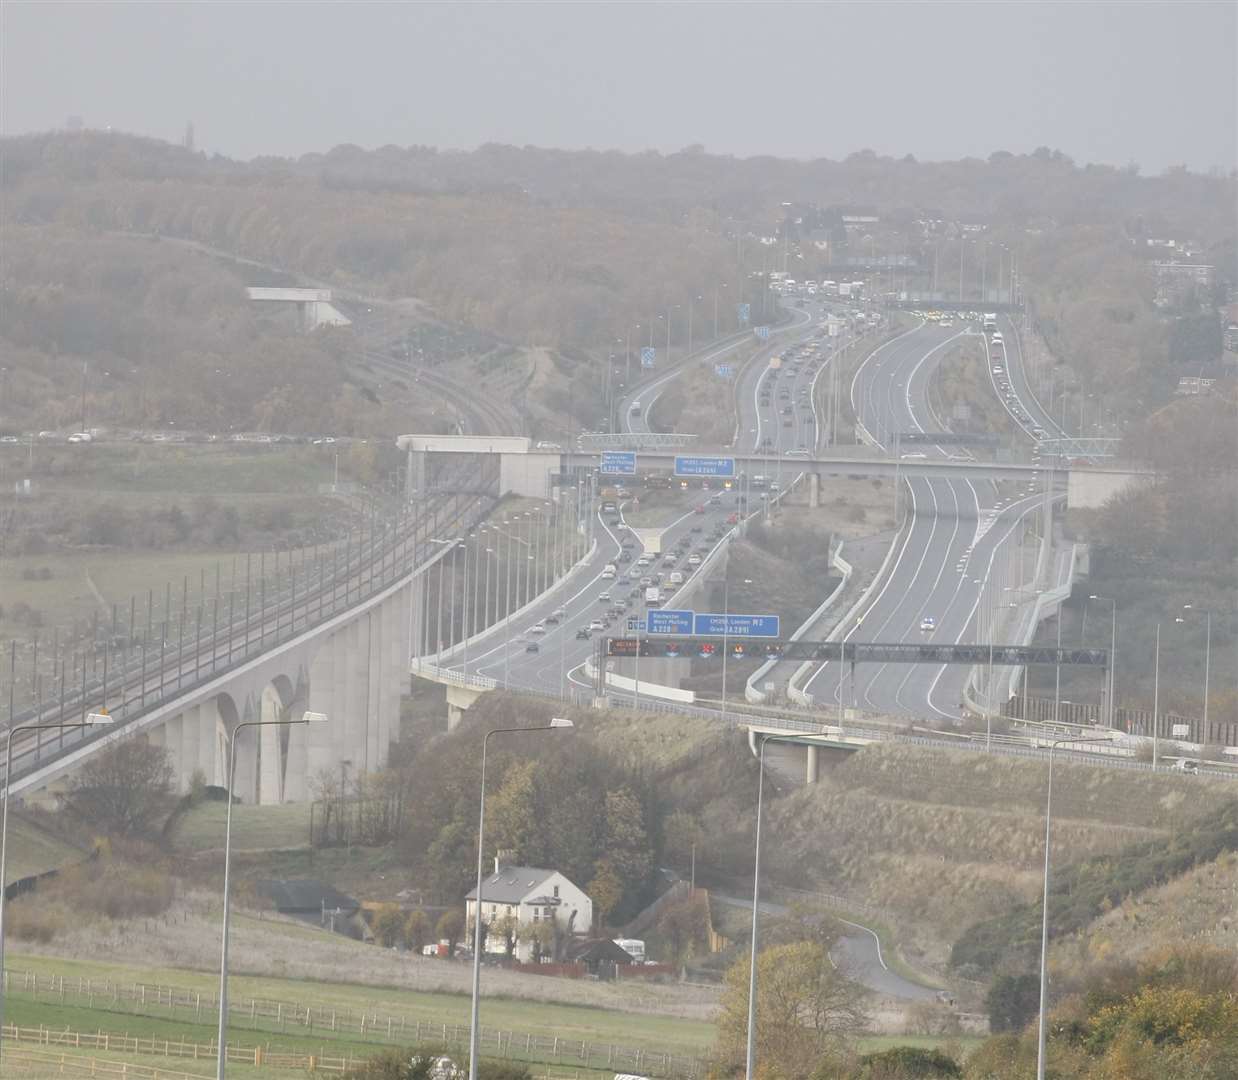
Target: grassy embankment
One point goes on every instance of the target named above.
(936, 841)
(111, 521)
(34, 850)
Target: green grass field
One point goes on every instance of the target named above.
(253, 827)
(33, 851)
(597, 1025)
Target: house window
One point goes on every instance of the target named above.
(556, 892)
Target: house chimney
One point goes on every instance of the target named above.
(504, 858)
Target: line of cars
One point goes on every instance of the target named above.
(779, 379)
(177, 437)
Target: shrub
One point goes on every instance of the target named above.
(29, 919)
(1012, 1001)
(397, 1064)
(909, 1063)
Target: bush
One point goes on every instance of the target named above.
(909, 1063)
(399, 1064)
(1012, 1001)
(28, 919)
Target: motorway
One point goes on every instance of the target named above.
(502, 652)
(952, 542)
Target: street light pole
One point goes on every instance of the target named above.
(1156, 701)
(1044, 921)
(750, 1060)
(1113, 650)
(221, 1043)
(474, 1028)
(92, 719)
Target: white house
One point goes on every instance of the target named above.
(532, 895)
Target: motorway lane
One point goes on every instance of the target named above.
(501, 654)
(648, 393)
(954, 532)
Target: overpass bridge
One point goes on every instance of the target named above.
(526, 469)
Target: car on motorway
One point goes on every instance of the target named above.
(907, 457)
(532, 646)
(699, 509)
(603, 598)
(646, 581)
(8, 438)
(597, 624)
(694, 559)
(1186, 765)
(584, 634)
(551, 620)
(928, 624)
(537, 628)
(799, 451)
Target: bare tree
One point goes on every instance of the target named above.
(125, 789)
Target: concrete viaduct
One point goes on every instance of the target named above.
(341, 639)
(335, 639)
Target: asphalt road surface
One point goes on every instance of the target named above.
(954, 537)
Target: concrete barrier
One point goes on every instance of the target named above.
(798, 696)
(757, 697)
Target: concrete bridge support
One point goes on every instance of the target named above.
(459, 699)
(355, 675)
(814, 490)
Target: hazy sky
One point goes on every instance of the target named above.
(1113, 82)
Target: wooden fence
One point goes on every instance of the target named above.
(174, 1048)
(370, 1024)
(20, 1059)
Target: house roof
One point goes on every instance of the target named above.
(512, 884)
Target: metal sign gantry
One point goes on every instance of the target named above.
(858, 652)
(633, 440)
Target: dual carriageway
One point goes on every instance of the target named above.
(957, 556)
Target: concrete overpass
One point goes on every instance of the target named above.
(524, 469)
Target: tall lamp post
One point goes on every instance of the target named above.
(474, 1028)
(1044, 921)
(1203, 737)
(221, 1062)
(1113, 651)
(750, 1061)
(92, 719)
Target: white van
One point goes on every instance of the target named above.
(676, 577)
(609, 571)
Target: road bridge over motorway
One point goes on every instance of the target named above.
(526, 470)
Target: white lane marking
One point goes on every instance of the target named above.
(868, 605)
(1032, 506)
(935, 518)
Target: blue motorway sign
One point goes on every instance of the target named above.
(668, 621)
(743, 311)
(723, 371)
(704, 466)
(647, 356)
(619, 462)
(762, 332)
(732, 625)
